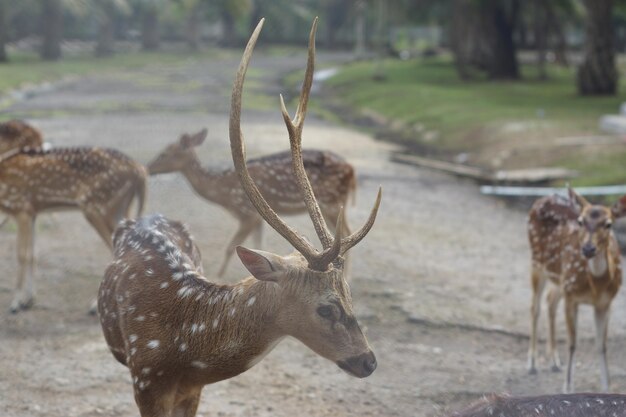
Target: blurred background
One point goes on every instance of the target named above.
(500, 84)
(512, 94)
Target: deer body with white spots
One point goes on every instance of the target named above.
(102, 183)
(333, 180)
(176, 331)
(562, 405)
(573, 246)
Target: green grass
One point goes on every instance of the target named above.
(429, 93)
(29, 69)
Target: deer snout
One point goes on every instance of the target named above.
(589, 250)
(360, 366)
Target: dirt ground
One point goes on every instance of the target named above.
(440, 284)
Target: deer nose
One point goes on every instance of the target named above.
(589, 250)
(369, 363)
(360, 366)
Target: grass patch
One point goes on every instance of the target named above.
(29, 69)
(429, 96)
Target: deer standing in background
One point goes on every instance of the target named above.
(100, 182)
(332, 178)
(563, 405)
(573, 246)
(176, 331)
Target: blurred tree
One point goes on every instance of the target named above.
(336, 12)
(597, 75)
(229, 11)
(51, 29)
(3, 31)
(106, 12)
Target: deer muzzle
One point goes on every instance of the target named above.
(589, 250)
(360, 366)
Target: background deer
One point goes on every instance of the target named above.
(573, 246)
(332, 178)
(177, 332)
(563, 405)
(100, 182)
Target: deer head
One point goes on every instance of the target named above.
(16, 135)
(595, 223)
(178, 155)
(316, 306)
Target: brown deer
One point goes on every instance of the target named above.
(332, 178)
(572, 245)
(561, 405)
(100, 182)
(177, 332)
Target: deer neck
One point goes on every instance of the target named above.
(599, 264)
(235, 322)
(205, 182)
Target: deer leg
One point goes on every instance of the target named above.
(245, 227)
(554, 296)
(102, 226)
(538, 283)
(151, 402)
(602, 320)
(257, 235)
(571, 313)
(187, 406)
(24, 291)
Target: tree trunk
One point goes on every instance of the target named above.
(503, 61)
(560, 49)
(541, 38)
(52, 29)
(150, 30)
(359, 28)
(597, 75)
(228, 29)
(3, 32)
(106, 34)
(193, 28)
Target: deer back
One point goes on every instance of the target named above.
(38, 180)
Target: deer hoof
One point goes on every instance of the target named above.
(555, 368)
(532, 371)
(93, 308)
(21, 302)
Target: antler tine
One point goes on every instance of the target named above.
(330, 254)
(239, 159)
(294, 128)
(357, 236)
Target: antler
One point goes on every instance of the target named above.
(333, 246)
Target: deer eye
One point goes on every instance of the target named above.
(325, 312)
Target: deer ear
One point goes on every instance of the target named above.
(619, 208)
(264, 266)
(576, 198)
(193, 140)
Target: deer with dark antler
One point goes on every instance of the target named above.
(100, 182)
(177, 332)
(573, 246)
(332, 179)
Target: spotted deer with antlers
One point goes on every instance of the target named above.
(332, 178)
(176, 331)
(101, 183)
(573, 246)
